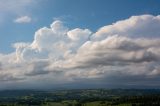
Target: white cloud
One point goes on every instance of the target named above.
(79, 34)
(135, 26)
(124, 52)
(23, 19)
(11, 8)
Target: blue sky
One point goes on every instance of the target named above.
(90, 14)
(49, 44)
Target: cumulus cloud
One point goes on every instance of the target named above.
(135, 26)
(79, 34)
(23, 19)
(126, 52)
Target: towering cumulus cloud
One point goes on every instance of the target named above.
(124, 54)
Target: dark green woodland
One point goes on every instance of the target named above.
(81, 97)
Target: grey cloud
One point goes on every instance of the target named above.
(8, 77)
(37, 68)
(114, 53)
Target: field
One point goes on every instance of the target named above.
(81, 97)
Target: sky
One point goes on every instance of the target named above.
(47, 44)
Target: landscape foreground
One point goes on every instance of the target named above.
(81, 97)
